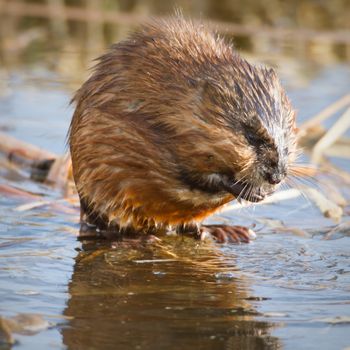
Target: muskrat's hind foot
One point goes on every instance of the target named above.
(114, 234)
(227, 234)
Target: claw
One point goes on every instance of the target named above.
(227, 234)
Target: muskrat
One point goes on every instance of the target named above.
(172, 125)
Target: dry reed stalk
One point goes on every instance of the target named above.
(325, 113)
(331, 136)
(116, 17)
(21, 151)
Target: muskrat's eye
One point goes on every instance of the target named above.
(210, 157)
(254, 140)
(273, 163)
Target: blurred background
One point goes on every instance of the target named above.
(310, 29)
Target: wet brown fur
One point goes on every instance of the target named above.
(172, 99)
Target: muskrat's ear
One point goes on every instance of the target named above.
(198, 83)
(192, 82)
(201, 87)
(204, 87)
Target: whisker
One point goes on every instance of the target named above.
(301, 173)
(249, 193)
(242, 192)
(303, 165)
(242, 178)
(310, 182)
(303, 194)
(284, 186)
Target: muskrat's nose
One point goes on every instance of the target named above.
(274, 178)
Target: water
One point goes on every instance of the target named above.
(280, 291)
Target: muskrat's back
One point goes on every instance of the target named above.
(173, 124)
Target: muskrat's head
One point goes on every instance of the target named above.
(242, 137)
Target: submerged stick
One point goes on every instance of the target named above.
(9, 191)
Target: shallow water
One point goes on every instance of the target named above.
(280, 291)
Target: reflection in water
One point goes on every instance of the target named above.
(121, 299)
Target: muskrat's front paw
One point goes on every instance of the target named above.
(227, 234)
